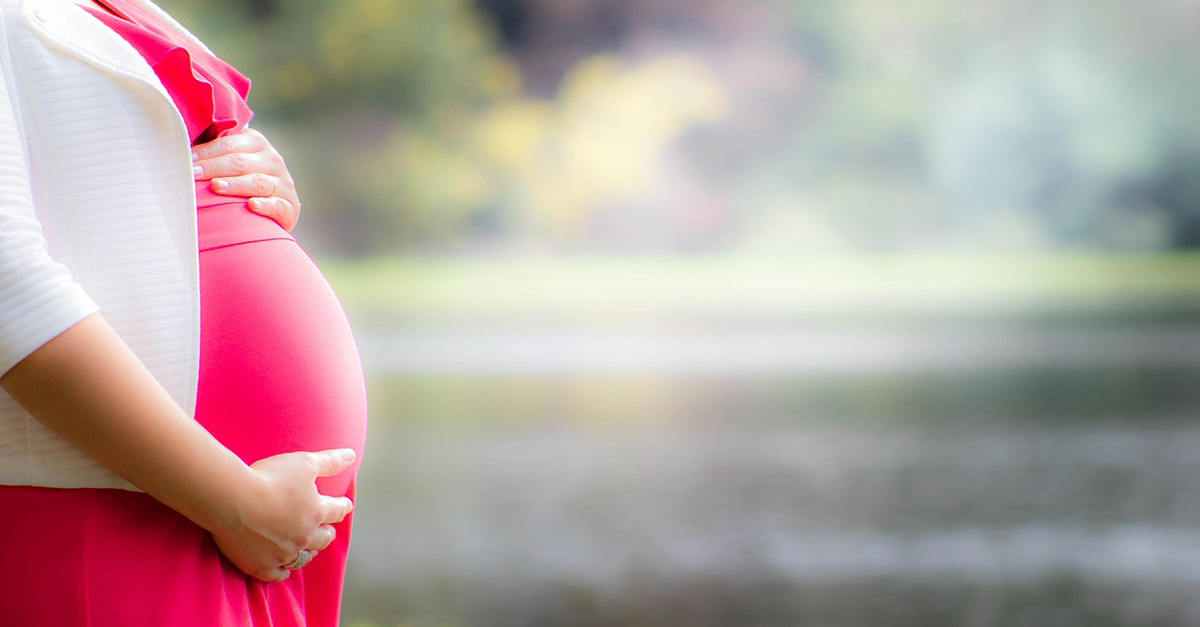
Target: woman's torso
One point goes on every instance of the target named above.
(279, 368)
(277, 371)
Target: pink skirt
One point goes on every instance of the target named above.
(279, 372)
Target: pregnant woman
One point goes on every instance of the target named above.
(183, 408)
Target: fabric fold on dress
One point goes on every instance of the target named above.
(212, 92)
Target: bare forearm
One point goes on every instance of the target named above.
(87, 386)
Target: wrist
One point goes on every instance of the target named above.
(226, 507)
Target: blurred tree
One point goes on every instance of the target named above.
(719, 124)
(358, 89)
(512, 19)
(261, 9)
(1014, 123)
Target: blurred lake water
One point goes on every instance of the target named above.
(805, 476)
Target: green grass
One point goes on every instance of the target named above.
(908, 287)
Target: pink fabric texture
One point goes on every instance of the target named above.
(279, 372)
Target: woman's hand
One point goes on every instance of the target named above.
(247, 165)
(280, 513)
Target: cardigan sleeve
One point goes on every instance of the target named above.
(39, 299)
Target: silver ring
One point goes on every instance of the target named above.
(274, 186)
(301, 560)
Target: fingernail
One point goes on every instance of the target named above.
(255, 204)
(197, 170)
(195, 155)
(346, 455)
(221, 185)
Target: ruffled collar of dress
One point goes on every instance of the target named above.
(219, 91)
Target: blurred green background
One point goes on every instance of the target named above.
(755, 312)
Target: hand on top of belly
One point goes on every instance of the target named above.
(281, 513)
(246, 164)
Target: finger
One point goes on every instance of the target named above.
(230, 164)
(333, 461)
(296, 564)
(336, 509)
(247, 185)
(276, 575)
(322, 538)
(280, 210)
(245, 162)
(238, 163)
(248, 140)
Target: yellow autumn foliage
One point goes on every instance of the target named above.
(603, 138)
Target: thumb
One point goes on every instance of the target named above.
(333, 461)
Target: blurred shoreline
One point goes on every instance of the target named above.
(763, 352)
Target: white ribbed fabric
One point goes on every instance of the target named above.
(97, 211)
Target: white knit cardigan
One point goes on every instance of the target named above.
(97, 213)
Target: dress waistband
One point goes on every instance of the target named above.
(227, 220)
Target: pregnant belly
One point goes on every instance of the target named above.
(279, 369)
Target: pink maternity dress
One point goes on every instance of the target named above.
(279, 372)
